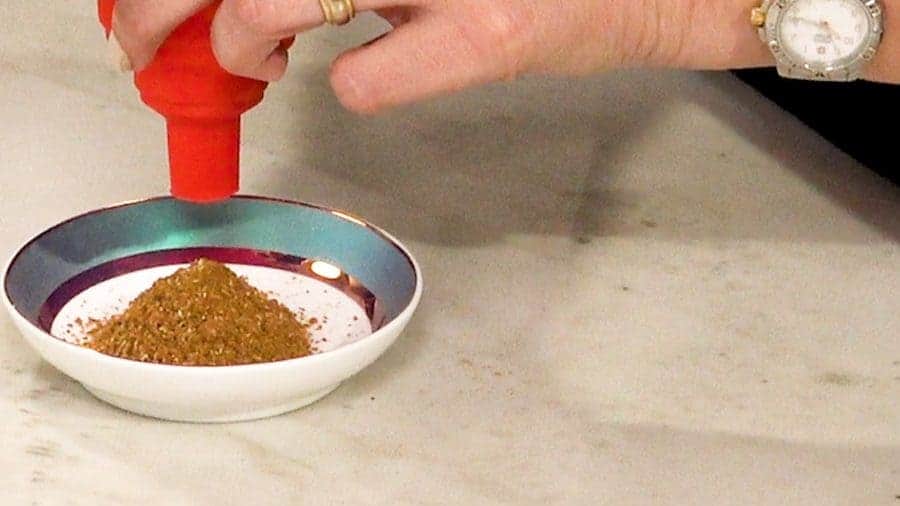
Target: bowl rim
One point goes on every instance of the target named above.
(102, 358)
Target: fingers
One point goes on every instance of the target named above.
(428, 56)
(243, 46)
(425, 55)
(246, 33)
(141, 26)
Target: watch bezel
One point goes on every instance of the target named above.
(847, 70)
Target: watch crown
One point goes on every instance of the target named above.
(758, 17)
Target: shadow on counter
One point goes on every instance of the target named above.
(579, 159)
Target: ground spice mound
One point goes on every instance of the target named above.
(203, 314)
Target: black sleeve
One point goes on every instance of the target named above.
(860, 118)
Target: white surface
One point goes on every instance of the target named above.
(752, 360)
(214, 394)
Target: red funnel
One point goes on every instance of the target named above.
(202, 104)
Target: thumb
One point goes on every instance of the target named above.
(141, 26)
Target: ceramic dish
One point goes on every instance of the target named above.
(358, 281)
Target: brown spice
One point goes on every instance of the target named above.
(201, 315)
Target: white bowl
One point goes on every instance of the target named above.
(97, 261)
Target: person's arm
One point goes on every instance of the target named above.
(440, 46)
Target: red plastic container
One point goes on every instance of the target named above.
(202, 105)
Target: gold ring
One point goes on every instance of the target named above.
(337, 12)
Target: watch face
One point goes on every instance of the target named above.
(824, 33)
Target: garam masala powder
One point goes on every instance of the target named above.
(202, 315)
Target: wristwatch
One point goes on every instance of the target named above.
(820, 40)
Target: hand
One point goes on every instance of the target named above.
(440, 46)
(798, 19)
(833, 36)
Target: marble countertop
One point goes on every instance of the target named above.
(641, 288)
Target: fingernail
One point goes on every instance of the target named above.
(117, 56)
